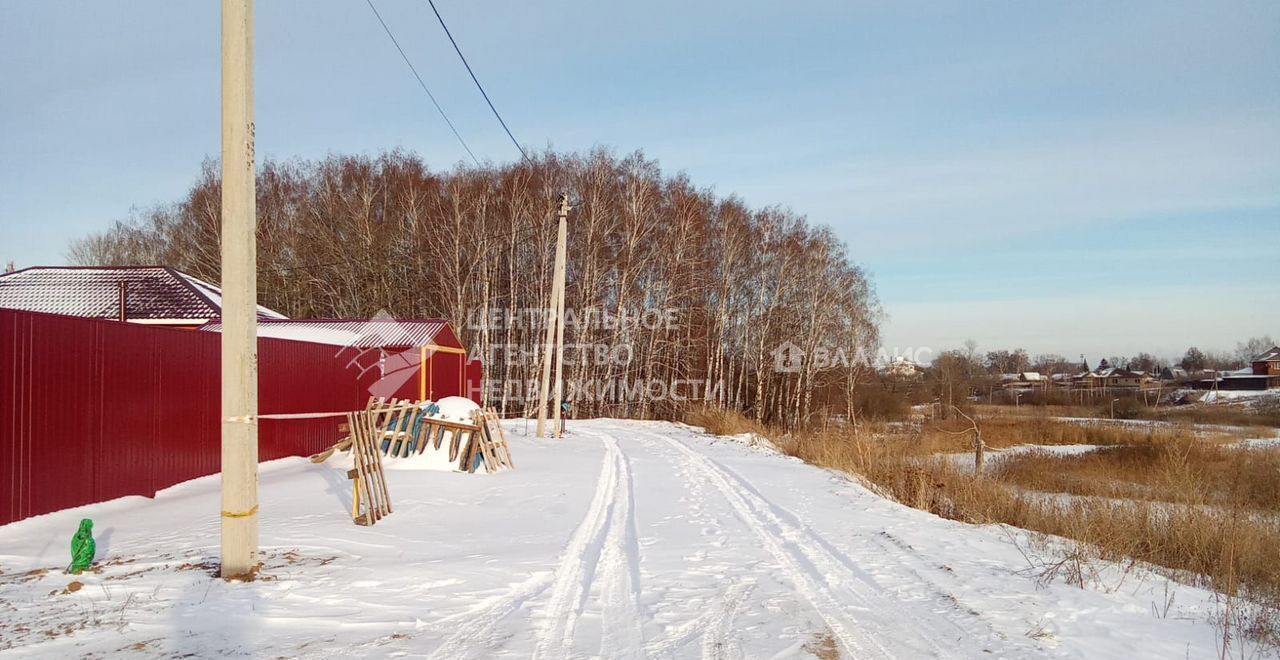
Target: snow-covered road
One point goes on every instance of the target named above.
(626, 540)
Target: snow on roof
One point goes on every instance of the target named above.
(1117, 372)
(153, 293)
(214, 294)
(375, 333)
(1268, 356)
(1031, 375)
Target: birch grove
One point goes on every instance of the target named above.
(350, 236)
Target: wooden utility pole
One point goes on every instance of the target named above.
(555, 329)
(239, 297)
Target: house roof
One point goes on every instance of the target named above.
(1269, 355)
(375, 333)
(152, 293)
(1113, 372)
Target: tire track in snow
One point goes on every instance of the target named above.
(604, 542)
(475, 632)
(824, 579)
(621, 636)
(718, 642)
(714, 626)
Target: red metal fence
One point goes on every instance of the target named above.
(93, 410)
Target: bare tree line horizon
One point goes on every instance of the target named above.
(348, 236)
(1017, 360)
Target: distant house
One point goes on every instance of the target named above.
(1107, 377)
(155, 295)
(1262, 374)
(901, 367)
(1268, 363)
(1173, 373)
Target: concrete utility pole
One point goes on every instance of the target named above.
(561, 259)
(555, 333)
(239, 296)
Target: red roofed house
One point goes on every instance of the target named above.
(156, 295)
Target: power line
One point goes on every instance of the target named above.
(476, 80)
(424, 85)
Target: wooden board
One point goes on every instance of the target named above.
(344, 443)
(370, 499)
(501, 448)
(382, 422)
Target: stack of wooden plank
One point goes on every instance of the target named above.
(370, 480)
(402, 428)
(490, 442)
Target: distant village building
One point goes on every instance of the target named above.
(901, 367)
(154, 295)
(1268, 363)
(1109, 377)
(1263, 373)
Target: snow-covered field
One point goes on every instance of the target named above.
(625, 540)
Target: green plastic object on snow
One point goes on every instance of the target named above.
(82, 548)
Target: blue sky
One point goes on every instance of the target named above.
(1075, 177)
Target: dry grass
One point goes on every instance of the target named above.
(1002, 431)
(1183, 471)
(718, 421)
(1219, 414)
(823, 646)
(1265, 415)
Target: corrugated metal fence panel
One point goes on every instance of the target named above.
(298, 377)
(15, 473)
(445, 375)
(92, 410)
(475, 381)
